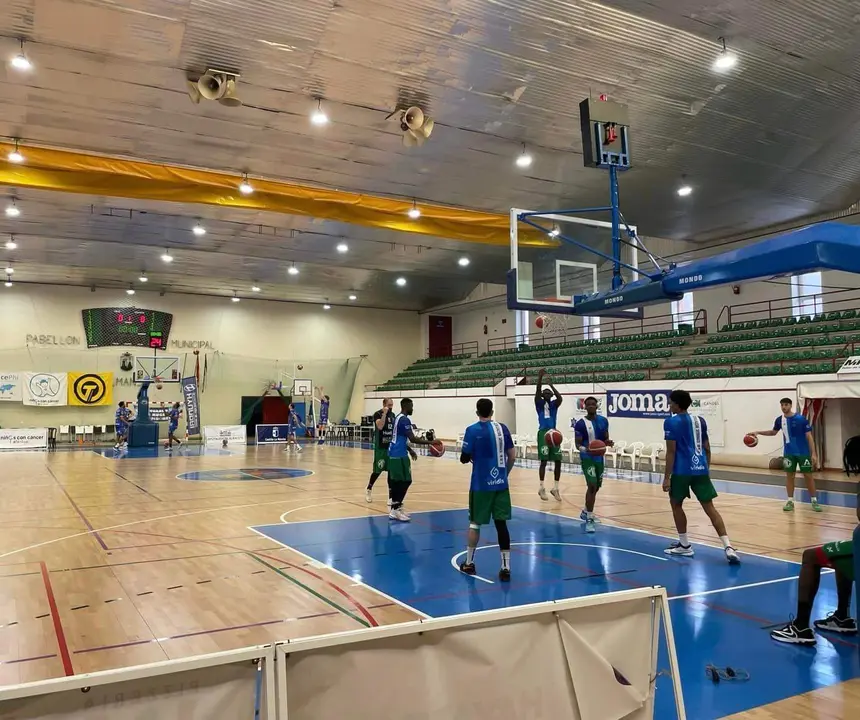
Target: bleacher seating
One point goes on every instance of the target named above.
(424, 373)
(845, 319)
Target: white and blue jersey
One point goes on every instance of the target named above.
(547, 412)
(587, 430)
(399, 437)
(794, 429)
(690, 433)
(487, 443)
(122, 418)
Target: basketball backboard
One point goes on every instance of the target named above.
(149, 367)
(303, 387)
(546, 276)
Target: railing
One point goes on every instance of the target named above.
(618, 328)
(830, 301)
(835, 363)
(464, 348)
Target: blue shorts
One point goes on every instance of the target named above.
(121, 429)
(172, 428)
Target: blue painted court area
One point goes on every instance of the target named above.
(245, 474)
(721, 614)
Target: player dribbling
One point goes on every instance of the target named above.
(399, 465)
(172, 425)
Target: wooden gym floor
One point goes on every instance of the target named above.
(109, 563)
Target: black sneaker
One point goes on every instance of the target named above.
(468, 568)
(505, 575)
(794, 636)
(834, 624)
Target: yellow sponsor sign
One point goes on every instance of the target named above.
(90, 389)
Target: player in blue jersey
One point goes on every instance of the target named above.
(489, 447)
(798, 451)
(399, 465)
(121, 421)
(293, 425)
(547, 402)
(586, 430)
(172, 425)
(322, 426)
(688, 457)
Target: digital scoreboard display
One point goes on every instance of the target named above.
(127, 326)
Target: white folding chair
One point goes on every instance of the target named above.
(65, 430)
(634, 452)
(653, 454)
(614, 450)
(530, 441)
(461, 437)
(569, 447)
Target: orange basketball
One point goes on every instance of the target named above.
(553, 438)
(750, 440)
(436, 448)
(597, 447)
(540, 322)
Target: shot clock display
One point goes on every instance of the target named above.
(134, 327)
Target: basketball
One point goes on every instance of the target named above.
(750, 440)
(436, 448)
(540, 322)
(597, 447)
(158, 386)
(553, 438)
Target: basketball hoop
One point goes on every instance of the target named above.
(158, 384)
(542, 322)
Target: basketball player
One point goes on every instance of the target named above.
(798, 451)
(383, 421)
(322, 427)
(172, 425)
(585, 430)
(293, 424)
(121, 420)
(399, 465)
(688, 456)
(547, 402)
(489, 447)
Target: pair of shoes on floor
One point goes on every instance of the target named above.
(470, 569)
(793, 635)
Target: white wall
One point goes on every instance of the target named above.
(252, 342)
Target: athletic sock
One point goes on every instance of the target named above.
(683, 539)
(506, 559)
(813, 499)
(791, 496)
(724, 539)
(589, 515)
(555, 485)
(470, 555)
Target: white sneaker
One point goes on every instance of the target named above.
(556, 494)
(677, 549)
(399, 515)
(590, 527)
(542, 494)
(368, 495)
(732, 556)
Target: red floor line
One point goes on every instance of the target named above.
(58, 625)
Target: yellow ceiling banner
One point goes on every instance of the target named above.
(74, 172)
(90, 389)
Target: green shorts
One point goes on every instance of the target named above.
(593, 471)
(793, 463)
(400, 469)
(701, 485)
(545, 452)
(838, 555)
(485, 505)
(380, 459)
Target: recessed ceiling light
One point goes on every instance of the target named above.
(167, 257)
(15, 155)
(353, 297)
(293, 270)
(130, 291)
(20, 61)
(318, 117)
(255, 288)
(342, 247)
(684, 190)
(12, 210)
(245, 186)
(524, 159)
(143, 278)
(326, 307)
(401, 281)
(726, 59)
(463, 261)
(555, 232)
(11, 244)
(199, 230)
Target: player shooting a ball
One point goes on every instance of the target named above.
(547, 402)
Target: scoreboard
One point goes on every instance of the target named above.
(126, 326)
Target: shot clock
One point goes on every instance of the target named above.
(127, 326)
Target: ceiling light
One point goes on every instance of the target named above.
(143, 278)
(318, 117)
(293, 270)
(167, 257)
(726, 59)
(524, 159)
(463, 261)
(245, 186)
(326, 307)
(12, 209)
(199, 230)
(11, 244)
(9, 270)
(401, 281)
(555, 232)
(684, 190)
(353, 297)
(414, 211)
(15, 155)
(342, 247)
(130, 290)
(20, 61)
(235, 298)
(255, 288)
